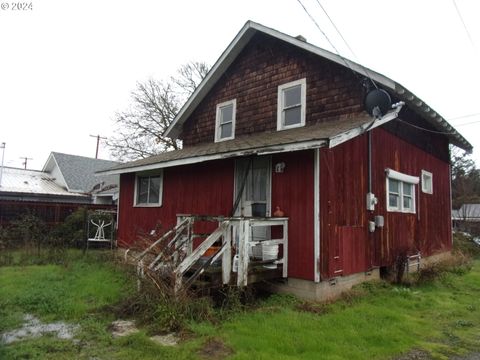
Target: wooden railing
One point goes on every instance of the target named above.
(176, 247)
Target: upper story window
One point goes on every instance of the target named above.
(225, 120)
(400, 191)
(427, 182)
(291, 104)
(148, 190)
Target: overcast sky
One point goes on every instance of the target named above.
(67, 66)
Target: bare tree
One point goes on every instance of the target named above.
(153, 107)
(465, 179)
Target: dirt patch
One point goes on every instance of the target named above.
(215, 349)
(473, 356)
(166, 340)
(121, 328)
(313, 307)
(414, 354)
(33, 328)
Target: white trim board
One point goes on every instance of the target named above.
(350, 134)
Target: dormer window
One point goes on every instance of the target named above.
(225, 121)
(291, 104)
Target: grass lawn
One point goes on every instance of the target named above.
(381, 321)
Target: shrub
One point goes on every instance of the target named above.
(456, 263)
(463, 242)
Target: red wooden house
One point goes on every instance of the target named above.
(279, 122)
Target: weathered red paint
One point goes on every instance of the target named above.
(292, 190)
(343, 185)
(205, 189)
(427, 231)
(347, 246)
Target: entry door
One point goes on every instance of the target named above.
(253, 179)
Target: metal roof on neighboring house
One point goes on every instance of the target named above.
(79, 171)
(21, 181)
(467, 212)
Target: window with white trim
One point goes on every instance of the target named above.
(427, 182)
(225, 120)
(400, 191)
(291, 104)
(148, 190)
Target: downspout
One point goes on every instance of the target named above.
(369, 161)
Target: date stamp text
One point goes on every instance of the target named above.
(16, 6)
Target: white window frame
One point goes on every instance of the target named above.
(160, 191)
(427, 177)
(218, 131)
(402, 179)
(280, 107)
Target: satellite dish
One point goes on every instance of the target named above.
(377, 103)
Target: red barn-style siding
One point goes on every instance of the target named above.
(344, 247)
(292, 190)
(347, 246)
(205, 189)
(429, 229)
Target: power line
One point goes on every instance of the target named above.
(336, 29)
(98, 143)
(25, 162)
(464, 116)
(331, 43)
(318, 27)
(463, 22)
(427, 130)
(469, 123)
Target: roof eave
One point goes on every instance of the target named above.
(435, 119)
(272, 149)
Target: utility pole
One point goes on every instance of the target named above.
(26, 161)
(3, 156)
(98, 143)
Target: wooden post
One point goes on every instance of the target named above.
(227, 255)
(242, 276)
(285, 249)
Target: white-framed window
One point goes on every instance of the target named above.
(225, 120)
(400, 191)
(148, 190)
(291, 104)
(427, 182)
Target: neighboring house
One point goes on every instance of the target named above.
(467, 218)
(77, 174)
(280, 124)
(65, 183)
(467, 212)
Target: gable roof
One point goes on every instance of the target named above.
(329, 133)
(251, 28)
(78, 172)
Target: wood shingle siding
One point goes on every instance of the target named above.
(253, 80)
